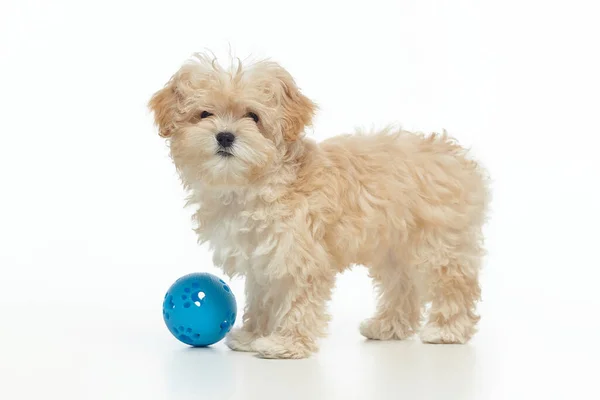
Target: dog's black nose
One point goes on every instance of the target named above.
(225, 139)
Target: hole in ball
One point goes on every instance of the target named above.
(185, 338)
(170, 303)
(198, 298)
(224, 325)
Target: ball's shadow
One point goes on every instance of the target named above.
(200, 373)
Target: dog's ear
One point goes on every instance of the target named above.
(164, 105)
(298, 110)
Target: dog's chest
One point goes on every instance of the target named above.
(235, 233)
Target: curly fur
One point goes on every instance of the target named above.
(289, 214)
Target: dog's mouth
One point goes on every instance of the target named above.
(224, 153)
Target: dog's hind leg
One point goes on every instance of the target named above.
(398, 314)
(454, 291)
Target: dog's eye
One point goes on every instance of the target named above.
(253, 116)
(205, 114)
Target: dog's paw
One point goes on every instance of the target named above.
(378, 329)
(445, 334)
(280, 347)
(240, 340)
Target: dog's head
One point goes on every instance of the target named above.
(227, 126)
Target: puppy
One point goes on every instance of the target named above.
(289, 214)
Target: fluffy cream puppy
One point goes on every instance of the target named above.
(289, 214)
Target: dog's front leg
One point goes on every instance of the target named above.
(255, 319)
(296, 312)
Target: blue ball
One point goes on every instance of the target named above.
(199, 309)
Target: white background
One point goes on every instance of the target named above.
(93, 230)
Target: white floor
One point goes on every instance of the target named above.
(88, 350)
